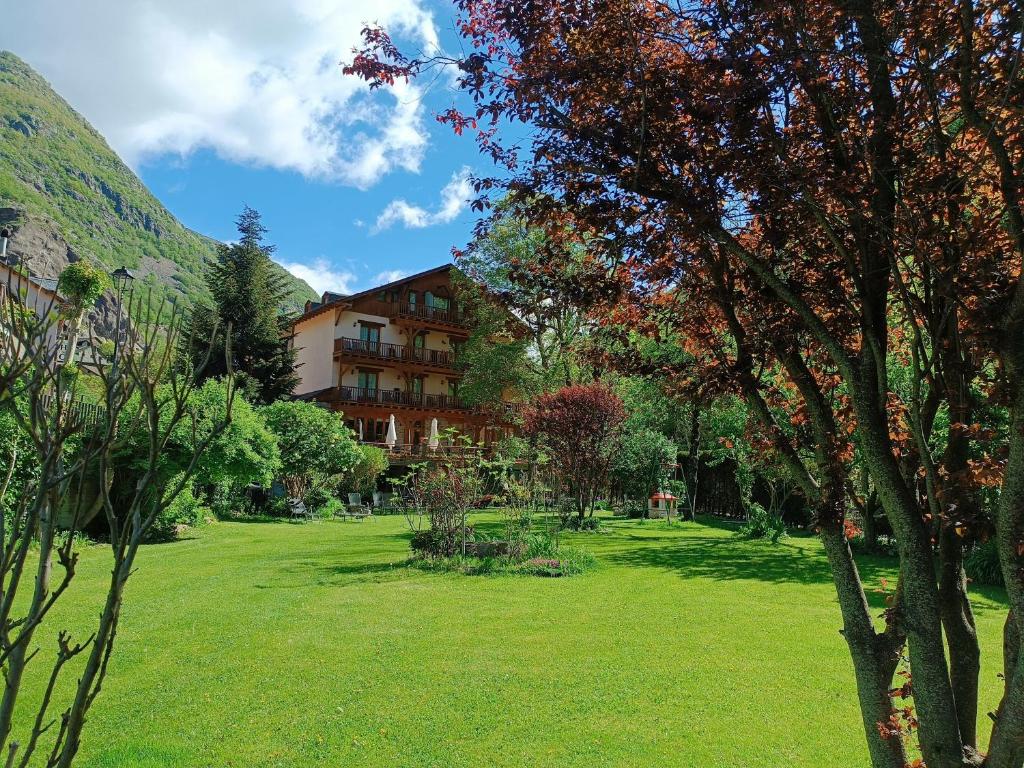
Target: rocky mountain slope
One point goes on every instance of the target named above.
(68, 196)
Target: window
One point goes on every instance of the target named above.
(412, 298)
(368, 380)
(419, 341)
(453, 388)
(417, 385)
(370, 334)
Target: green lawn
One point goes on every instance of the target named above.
(280, 644)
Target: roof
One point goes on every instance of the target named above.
(663, 497)
(336, 300)
(48, 284)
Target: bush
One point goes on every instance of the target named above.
(314, 443)
(331, 508)
(762, 524)
(982, 564)
(586, 524)
(185, 511)
(372, 464)
(635, 509)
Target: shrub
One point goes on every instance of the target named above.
(982, 564)
(184, 512)
(373, 462)
(314, 443)
(245, 453)
(332, 508)
(586, 524)
(635, 509)
(762, 524)
(581, 426)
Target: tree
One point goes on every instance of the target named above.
(494, 360)
(800, 189)
(243, 453)
(247, 296)
(38, 550)
(643, 462)
(316, 447)
(580, 426)
(504, 268)
(373, 462)
(80, 285)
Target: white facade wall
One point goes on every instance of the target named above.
(314, 342)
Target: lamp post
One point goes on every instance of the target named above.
(123, 279)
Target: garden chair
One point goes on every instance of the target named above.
(298, 510)
(355, 508)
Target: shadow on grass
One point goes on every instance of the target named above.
(735, 558)
(302, 574)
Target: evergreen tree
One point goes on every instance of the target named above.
(246, 298)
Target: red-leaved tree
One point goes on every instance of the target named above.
(813, 198)
(580, 426)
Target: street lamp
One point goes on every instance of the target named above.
(122, 278)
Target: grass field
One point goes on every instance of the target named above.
(280, 644)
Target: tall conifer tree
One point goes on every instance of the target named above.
(247, 296)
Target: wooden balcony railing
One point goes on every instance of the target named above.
(452, 314)
(383, 350)
(385, 397)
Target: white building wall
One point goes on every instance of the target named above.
(314, 342)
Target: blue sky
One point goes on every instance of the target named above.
(234, 102)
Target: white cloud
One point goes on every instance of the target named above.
(454, 197)
(263, 86)
(389, 276)
(321, 276)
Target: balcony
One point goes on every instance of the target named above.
(396, 397)
(387, 352)
(451, 315)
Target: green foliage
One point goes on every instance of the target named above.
(81, 284)
(244, 453)
(186, 511)
(643, 462)
(246, 294)
(373, 462)
(544, 321)
(543, 556)
(15, 447)
(57, 168)
(762, 524)
(585, 524)
(982, 564)
(314, 444)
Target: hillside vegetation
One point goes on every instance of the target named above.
(57, 171)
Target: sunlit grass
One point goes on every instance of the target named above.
(279, 644)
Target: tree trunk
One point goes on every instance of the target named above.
(874, 656)
(961, 635)
(939, 728)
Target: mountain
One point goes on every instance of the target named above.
(68, 196)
